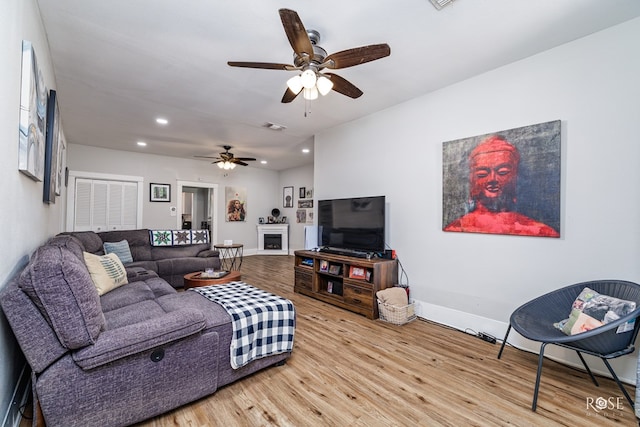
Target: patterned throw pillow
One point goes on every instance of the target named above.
(591, 310)
(107, 272)
(121, 249)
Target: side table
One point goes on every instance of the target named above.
(193, 280)
(230, 255)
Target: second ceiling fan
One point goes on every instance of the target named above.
(227, 160)
(311, 59)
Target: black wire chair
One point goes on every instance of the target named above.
(535, 321)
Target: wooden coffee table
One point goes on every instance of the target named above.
(193, 280)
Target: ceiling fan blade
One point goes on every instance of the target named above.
(238, 162)
(357, 55)
(207, 157)
(296, 33)
(262, 65)
(343, 86)
(245, 159)
(289, 96)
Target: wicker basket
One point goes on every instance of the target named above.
(398, 315)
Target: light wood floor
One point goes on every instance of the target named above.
(347, 370)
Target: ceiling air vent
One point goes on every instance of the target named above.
(273, 126)
(439, 4)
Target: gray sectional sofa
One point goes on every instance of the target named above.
(137, 351)
(171, 263)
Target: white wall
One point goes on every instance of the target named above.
(296, 178)
(26, 220)
(475, 280)
(261, 186)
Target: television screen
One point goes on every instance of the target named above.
(353, 223)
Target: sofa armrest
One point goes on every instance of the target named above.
(207, 253)
(117, 343)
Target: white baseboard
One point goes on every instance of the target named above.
(624, 366)
(13, 415)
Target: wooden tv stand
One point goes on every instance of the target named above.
(344, 281)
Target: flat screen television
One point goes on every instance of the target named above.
(356, 224)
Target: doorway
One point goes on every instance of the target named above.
(197, 206)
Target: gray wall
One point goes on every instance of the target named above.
(475, 280)
(26, 220)
(263, 187)
(296, 178)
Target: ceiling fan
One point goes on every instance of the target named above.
(227, 160)
(311, 59)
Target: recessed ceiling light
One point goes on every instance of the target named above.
(305, 150)
(162, 121)
(264, 162)
(141, 143)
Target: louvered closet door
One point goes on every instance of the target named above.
(102, 205)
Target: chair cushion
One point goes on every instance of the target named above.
(591, 310)
(121, 249)
(60, 286)
(107, 272)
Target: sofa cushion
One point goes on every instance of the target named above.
(60, 286)
(90, 241)
(107, 272)
(121, 249)
(69, 242)
(170, 252)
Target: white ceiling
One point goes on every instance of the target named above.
(119, 64)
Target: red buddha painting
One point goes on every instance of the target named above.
(504, 183)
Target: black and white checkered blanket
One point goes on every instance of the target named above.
(263, 323)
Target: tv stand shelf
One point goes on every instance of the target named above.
(344, 281)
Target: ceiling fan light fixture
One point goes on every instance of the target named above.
(295, 84)
(226, 165)
(310, 93)
(308, 78)
(324, 85)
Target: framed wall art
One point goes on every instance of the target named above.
(159, 192)
(287, 197)
(33, 116)
(506, 182)
(236, 202)
(302, 193)
(51, 155)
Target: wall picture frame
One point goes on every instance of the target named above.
(302, 192)
(287, 197)
(159, 192)
(51, 155)
(527, 199)
(33, 116)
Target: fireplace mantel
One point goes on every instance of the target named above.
(273, 239)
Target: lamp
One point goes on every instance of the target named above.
(311, 82)
(226, 165)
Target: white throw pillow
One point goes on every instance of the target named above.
(107, 271)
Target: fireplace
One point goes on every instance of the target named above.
(273, 239)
